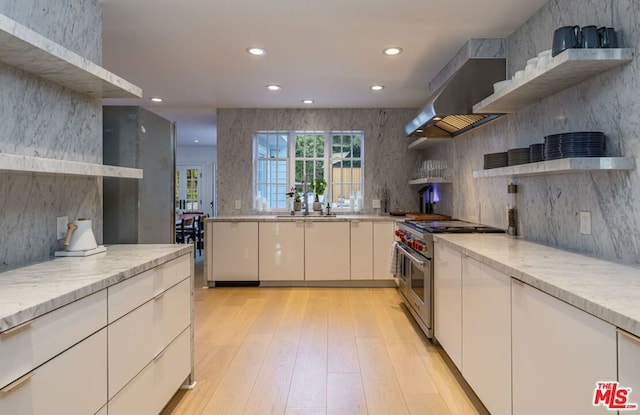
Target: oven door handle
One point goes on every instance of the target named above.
(411, 256)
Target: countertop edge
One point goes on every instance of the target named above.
(54, 302)
(312, 218)
(591, 306)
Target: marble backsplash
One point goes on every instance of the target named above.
(387, 162)
(42, 119)
(549, 206)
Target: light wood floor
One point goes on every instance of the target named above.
(314, 351)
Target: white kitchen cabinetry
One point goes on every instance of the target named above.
(558, 354)
(486, 334)
(36, 341)
(383, 236)
(327, 251)
(361, 250)
(74, 382)
(149, 314)
(448, 301)
(150, 390)
(629, 364)
(233, 251)
(281, 251)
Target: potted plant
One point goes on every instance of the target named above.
(297, 205)
(318, 187)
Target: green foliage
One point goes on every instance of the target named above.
(318, 186)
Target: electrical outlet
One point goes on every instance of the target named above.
(61, 227)
(376, 204)
(238, 205)
(585, 223)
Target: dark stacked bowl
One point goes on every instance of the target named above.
(536, 152)
(495, 160)
(576, 144)
(517, 156)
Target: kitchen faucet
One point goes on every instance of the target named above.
(305, 187)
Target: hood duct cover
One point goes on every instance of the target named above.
(468, 79)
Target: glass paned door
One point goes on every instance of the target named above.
(188, 188)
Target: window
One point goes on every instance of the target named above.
(286, 159)
(270, 171)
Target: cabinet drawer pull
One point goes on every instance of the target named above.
(159, 296)
(161, 353)
(16, 328)
(18, 382)
(628, 335)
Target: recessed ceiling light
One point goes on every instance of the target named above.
(307, 101)
(256, 51)
(392, 51)
(156, 99)
(377, 87)
(274, 87)
(196, 141)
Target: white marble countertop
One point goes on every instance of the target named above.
(286, 217)
(604, 289)
(33, 290)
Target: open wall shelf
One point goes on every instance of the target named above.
(562, 71)
(26, 164)
(560, 166)
(31, 52)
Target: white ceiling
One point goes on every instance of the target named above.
(192, 53)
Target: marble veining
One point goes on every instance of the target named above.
(548, 205)
(387, 161)
(31, 291)
(45, 120)
(33, 53)
(12, 162)
(604, 289)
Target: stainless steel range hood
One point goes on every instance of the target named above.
(466, 80)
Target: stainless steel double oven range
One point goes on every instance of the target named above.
(415, 263)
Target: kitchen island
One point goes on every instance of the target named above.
(116, 329)
(314, 250)
(522, 320)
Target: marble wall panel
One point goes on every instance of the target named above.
(387, 162)
(42, 119)
(548, 206)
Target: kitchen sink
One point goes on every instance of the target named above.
(311, 216)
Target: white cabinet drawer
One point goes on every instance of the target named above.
(131, 293)
(42, 338)
(136, 338)
(150, 391)
(74, 382)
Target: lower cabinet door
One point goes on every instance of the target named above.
(281, 248)
(629, 365)
(152, 388)
(327, 251)
(361, 250)
(74, 382)
(140, 335)
(486, 334)
(383, 237)
(559, 353)
(448, 301)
